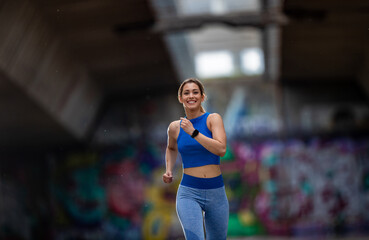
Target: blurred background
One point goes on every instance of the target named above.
(89, 87)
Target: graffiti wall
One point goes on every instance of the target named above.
(298, 188)
(116, 194)
(275, 187)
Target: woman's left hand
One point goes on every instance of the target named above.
(187, 126)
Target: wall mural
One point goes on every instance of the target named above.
(291, 187)
(275, 187)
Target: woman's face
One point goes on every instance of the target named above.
(191, 97)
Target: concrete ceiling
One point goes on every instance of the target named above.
(113, 39)
(121, 46)
(324, 40)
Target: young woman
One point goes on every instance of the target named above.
(201, 140)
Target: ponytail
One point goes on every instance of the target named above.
(202, 109)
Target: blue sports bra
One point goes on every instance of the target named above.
(192, 152)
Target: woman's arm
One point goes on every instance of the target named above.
(171, 152)
(216, 145)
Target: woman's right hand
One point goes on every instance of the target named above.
(167, 177)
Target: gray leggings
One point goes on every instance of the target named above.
(192, 202)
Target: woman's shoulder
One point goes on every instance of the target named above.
(214, 117)
(175, 123)
(174, 126)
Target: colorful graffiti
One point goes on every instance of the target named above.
(297, 188)
(161, 220)
(288, 187)
(117, 194)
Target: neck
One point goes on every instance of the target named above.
(193, 114)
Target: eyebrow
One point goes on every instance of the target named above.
(191, 90)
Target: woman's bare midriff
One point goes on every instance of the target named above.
(207, 171)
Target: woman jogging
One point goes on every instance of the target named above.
(201, 140)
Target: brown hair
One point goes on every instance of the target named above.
(198, 83)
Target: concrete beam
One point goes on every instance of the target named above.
(232, 19)
(35, 58)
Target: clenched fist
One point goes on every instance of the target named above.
(167, 177)
(187, 126)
